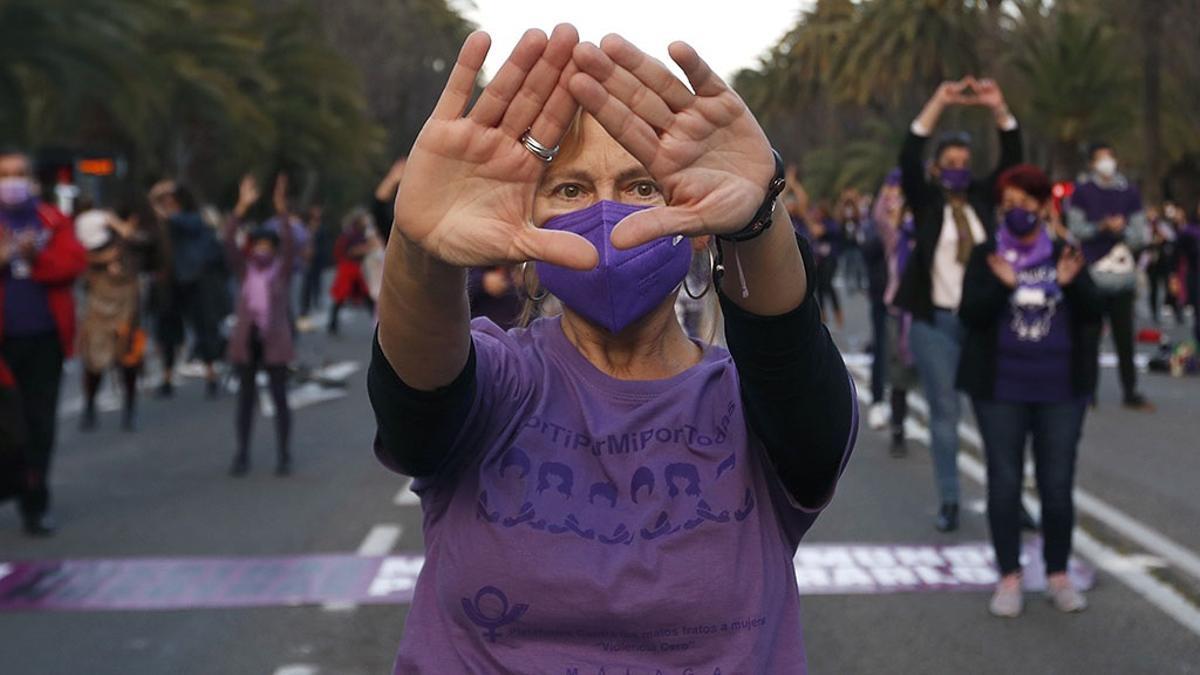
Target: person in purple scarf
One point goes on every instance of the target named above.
(602, 493)
(1106, 217)
(262, 335)
(1028, 306)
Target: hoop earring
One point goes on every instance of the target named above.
(712, 265)
(525, 285)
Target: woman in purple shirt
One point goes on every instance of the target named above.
(601, 493)
(1029, 365)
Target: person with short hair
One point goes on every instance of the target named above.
(952, 212)
(1029, 306)
(40, 259)
(585, 480)
(1106, 216)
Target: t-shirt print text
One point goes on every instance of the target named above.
(684, 477)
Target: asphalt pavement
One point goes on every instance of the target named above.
(163, 492)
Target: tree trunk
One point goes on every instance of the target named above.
(1152, 13)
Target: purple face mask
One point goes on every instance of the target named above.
(1020, 222)
(956, 180)
(626, 284)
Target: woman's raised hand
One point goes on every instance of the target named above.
(468, 188)
(703, 146)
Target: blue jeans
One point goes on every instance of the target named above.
(936, 348)
(1055, 428)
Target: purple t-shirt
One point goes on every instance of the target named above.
(1033, 348)
(26, 303)
(596, 525)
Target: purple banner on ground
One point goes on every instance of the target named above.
(194, 583)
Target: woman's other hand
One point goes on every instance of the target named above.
(468, 188)
(708, 154)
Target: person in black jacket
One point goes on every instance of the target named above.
(1029, 305)
(952, 213)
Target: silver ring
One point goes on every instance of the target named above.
(540, 151)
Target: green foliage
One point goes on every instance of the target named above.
(204, 90)
(840, 88)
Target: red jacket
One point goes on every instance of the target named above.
(56, 267)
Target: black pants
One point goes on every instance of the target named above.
(1055, 428)
(826, 269)
(195, 304)
(310, 289)
(36, 363)
(248, 394)
(1118, 309)
(334, 323)
(1159, 277)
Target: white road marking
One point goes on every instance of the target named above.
(379, 541)
(1130, 570)
(297, 669)
(406, 497)
(1127, 526)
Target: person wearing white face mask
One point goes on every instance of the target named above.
(1106, 216)
(39, 261)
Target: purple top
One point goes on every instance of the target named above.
(299, 237)
(26, 307)
(256, 293)
(601, 525)
(1033, 349)
(1098, 202)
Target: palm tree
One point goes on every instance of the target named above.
(900, 50)
(1072, 84)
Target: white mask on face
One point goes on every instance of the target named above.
(1106, 166)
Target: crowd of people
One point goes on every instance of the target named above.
(159, 275)
(985, 284)
(542, 281)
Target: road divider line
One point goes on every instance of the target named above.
(1120, 522)
(297, 669)
(1127, 569)
(380, 540)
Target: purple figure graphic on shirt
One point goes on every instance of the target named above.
(687, 472)
(606, 491)
(643, 477)
(566, 478)
(515, 457)
(490, 611)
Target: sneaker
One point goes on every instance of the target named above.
(1007, 601)
(166, 389)
(947, 518)
(1065, 597)
(899, 446)
(878, 416)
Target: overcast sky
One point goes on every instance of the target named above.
(728, 35)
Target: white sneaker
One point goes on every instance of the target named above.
(1066, 598)
(878, 416)
(1007, 602)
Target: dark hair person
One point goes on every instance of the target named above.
(1029, 365)
(598, 478)
(262, 334)
(952, 212)
(40, 258)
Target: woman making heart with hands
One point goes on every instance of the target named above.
(599, 468)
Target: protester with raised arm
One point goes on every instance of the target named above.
(952, 211)
(599, 471)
